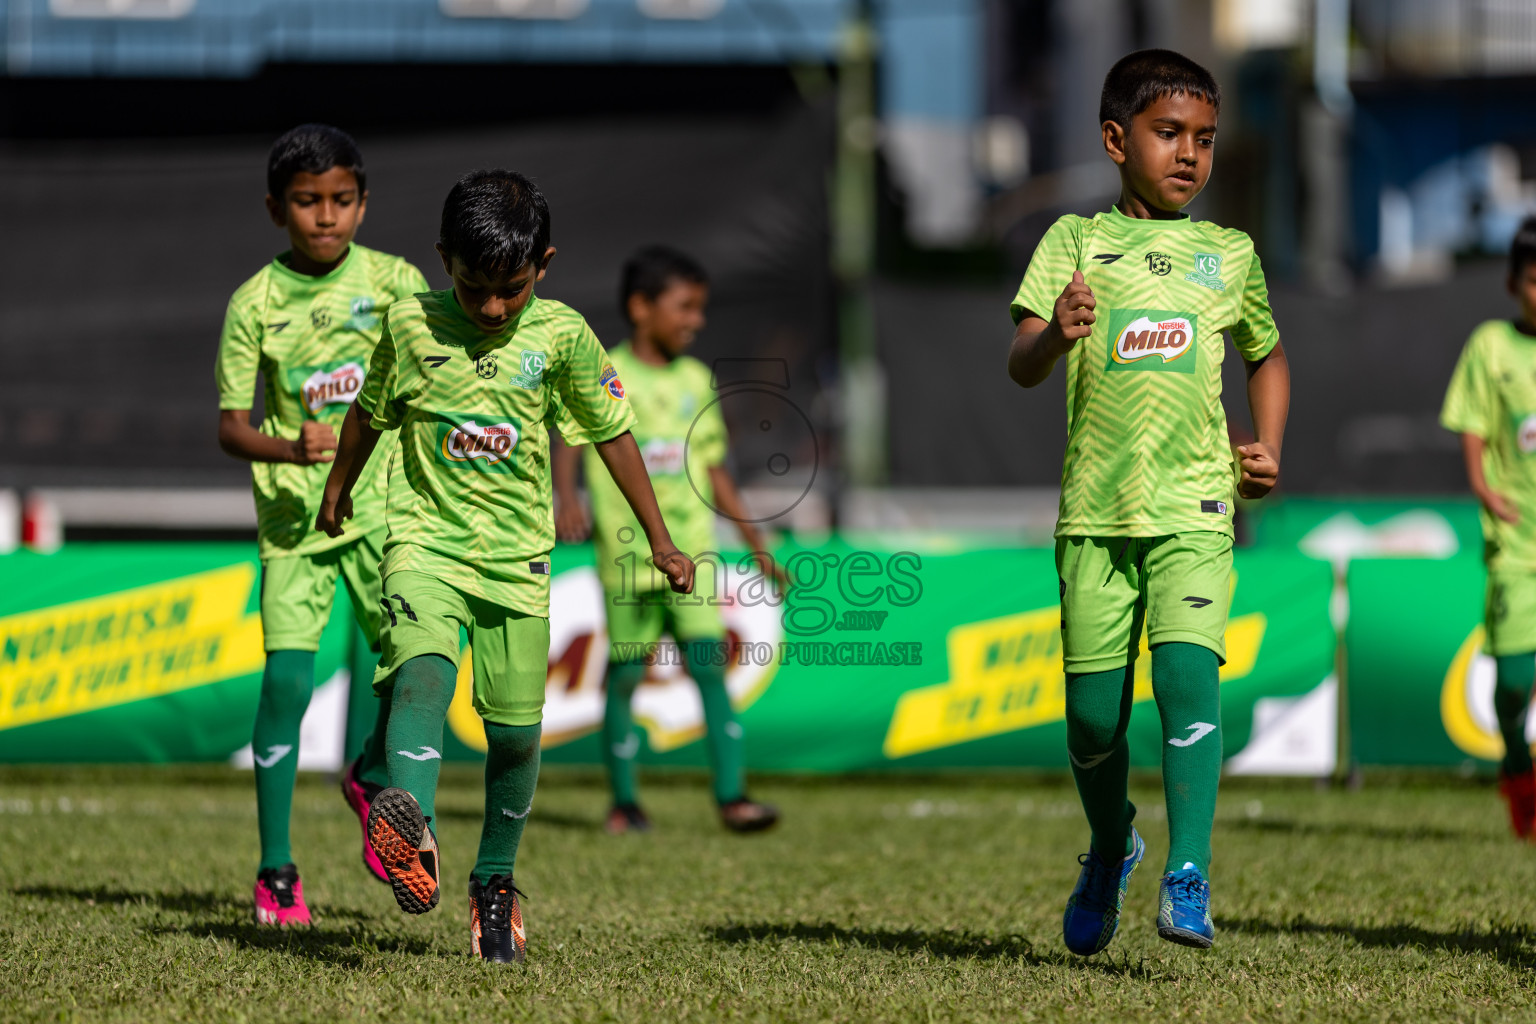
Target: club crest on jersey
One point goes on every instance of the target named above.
(485, 365)
(532, 373)
(365, 315)
(462, 441)
(1207, 271)
(610, 382)
(1152, 339)
(331, 384)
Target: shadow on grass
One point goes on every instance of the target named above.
(183, 902)
(343, 947)
(949, 945)
(1360, 830)
(1509, 946)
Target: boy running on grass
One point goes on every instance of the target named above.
(1492, 404)
(308, 321)
(471, 377)
(1136, 300)
(682, 436)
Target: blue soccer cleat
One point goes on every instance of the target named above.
(1184, 908)
(1093, 909)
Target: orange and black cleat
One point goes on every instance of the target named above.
(407, 848)
(496, 921)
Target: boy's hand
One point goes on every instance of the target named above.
(1500, 506)
(1261, 470)
(571, 521)
(678, 568)
(316, 443)
(1072, 318)
(332, 512)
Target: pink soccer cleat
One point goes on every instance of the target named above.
(360, 796)
(280, 897)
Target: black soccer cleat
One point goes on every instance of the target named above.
(496, 921)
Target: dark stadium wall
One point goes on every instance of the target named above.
(122, 253)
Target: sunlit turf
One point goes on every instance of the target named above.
(125, 895)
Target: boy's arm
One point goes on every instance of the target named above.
(1269, 402)
(728, 501)
(1037, 343)
(316, 441)
(1497, 505)
(622, 457)
(358, 439)
(571, 520)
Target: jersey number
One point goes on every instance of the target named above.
(405, 609)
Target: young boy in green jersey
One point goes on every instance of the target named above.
(1136, 300)
(308, 321)
(1491, 403)
(682, 436)
(472, 377)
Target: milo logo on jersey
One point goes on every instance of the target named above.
(664, 456)
(465, 441)
(1152, 339)
(1525, 434)
(334, 383)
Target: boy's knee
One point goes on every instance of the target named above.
(515, 743)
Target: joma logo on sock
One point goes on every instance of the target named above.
(1197, 732)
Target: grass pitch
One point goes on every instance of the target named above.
(125, 894)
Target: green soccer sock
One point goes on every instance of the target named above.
(1098, 711)
(722, 733)
(414, 737)
(372, 765)
(511, 775)
(621, 743)
(1185, 684)
(362, 705)
(1515, 674)
(286, 686)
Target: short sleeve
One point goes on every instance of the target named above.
(1255, 333)
(593, 404)
(1050, 269)
(378, 395)
(239, 355)
(1469, 401)
(708, 436)
(409, 281)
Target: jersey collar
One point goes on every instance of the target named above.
(1115, 217)
(485, 342)
(293, 275)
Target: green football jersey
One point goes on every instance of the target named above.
(310, 338)
(469, 494)
(1493, 395)
(1147, 447)
(681, 434)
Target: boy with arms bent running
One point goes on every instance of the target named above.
(1136, 300)
(1491, 403)
(308, 321)
(472, 377)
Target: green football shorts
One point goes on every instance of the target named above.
(297, 592)
(1509, 618)
(423, 615)
(1179, 585)
(643, 619)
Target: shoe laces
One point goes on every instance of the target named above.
(498, 896)
(280, 885)
(1188, 887)
(1096, 883)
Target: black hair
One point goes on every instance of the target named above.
(495, 221)
(1522, 248)
(312, 149)
(1142, 78)
(651, 270)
